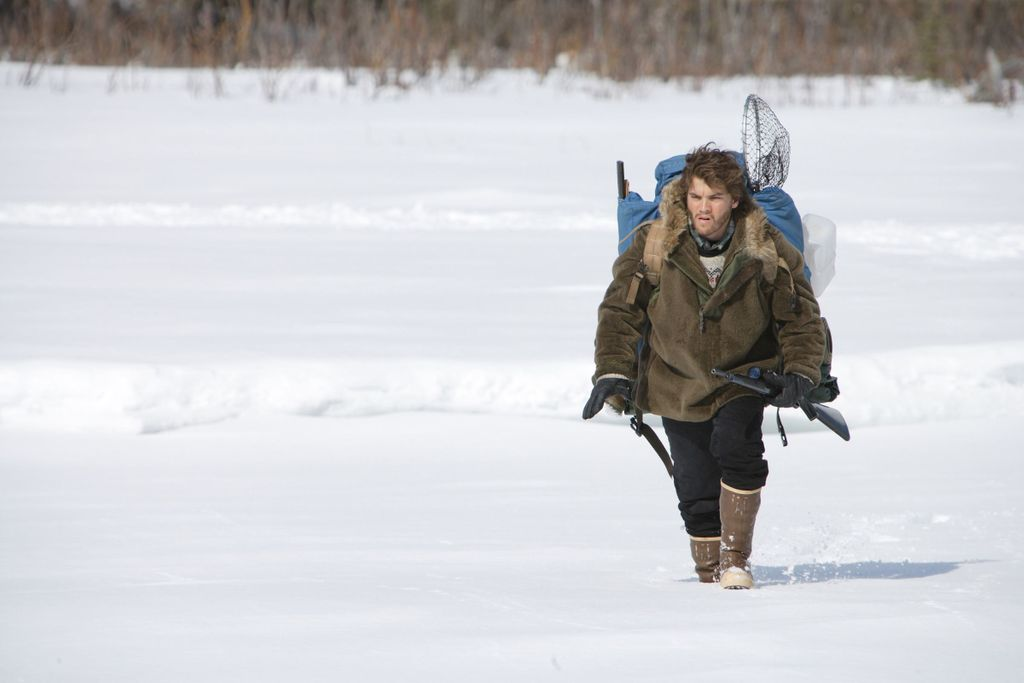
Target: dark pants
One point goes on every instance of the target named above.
(727, 448)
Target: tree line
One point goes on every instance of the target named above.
(954, 41)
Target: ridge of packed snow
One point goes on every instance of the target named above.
(1003, 240)
(336, 215)
(895, 387)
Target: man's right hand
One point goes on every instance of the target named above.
(605, 389)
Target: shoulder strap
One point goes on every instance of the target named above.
(654, 257)
(654, 251)
(644, 430)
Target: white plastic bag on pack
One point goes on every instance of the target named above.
(819, 250)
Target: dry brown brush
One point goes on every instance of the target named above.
(953, 41)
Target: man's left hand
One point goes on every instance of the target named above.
(793, 389)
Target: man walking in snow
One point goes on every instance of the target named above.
(709, 284)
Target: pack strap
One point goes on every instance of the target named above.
(634, 284)
(782, 430)
(650, 264)
(654, 251)
(645, 430)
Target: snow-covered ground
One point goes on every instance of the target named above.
(291, 389)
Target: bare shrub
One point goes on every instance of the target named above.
(945, 40)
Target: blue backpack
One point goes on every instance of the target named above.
(776, 202)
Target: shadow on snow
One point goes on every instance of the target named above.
(817, 573)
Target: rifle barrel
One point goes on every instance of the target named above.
(755, 385)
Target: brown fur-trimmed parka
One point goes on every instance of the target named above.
(762, 313)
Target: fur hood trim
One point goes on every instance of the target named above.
(753, 231)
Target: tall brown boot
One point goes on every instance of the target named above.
(739, 511)
(705, 557)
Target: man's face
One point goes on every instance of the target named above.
(710, 208)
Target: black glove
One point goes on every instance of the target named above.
(792, 390)
(604, 390)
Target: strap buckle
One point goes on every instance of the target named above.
(636, 423)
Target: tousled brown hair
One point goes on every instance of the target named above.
(718, 168)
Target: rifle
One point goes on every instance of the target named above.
(637, 421)
(623, 186)
(769, 384)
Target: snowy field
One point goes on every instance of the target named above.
(290, 390)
